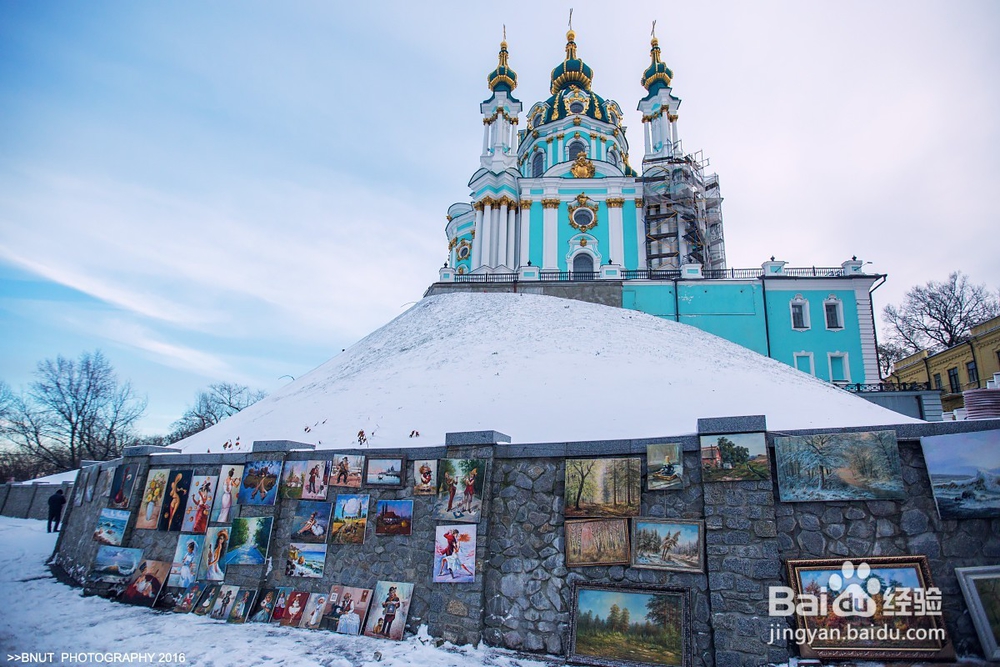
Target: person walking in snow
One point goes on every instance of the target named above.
(56, 502)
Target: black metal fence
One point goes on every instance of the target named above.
(653, 274)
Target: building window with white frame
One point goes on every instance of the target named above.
(800, 313)
(575, 148)
(840, 372)
(833, 311)
(803, 361)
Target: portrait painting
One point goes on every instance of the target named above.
(207, 600)
(260, 483)
(389, 608)
(187, 557)
(311, 522)
(346, 609)
(350, 519)
(121, 486)
(393, 517)
(213, 558)
(227, 495)
(114, 565)
(294, 608)
(597, 542)
(199, 505)
(630, 626)
(248, 541)
(224, 602)
(263, 606)
(147, 583)
(460, 488)
(839, 466)
(305, 480)
(190, 597)
(304, 559)
(111, 526)
(668, 544)
(425, 477)
(603, 487)
(386, 472)
(175, 500)
(281, 595)
(965, 473)
(347, 470)
(312, 615)
(241, 608)
(734, 457)
(981, 589)
(152, 499)
(665, 466)
(455, 554)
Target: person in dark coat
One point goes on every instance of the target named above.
(56, 502)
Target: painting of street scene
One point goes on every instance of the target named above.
(965, 473)
(735, 457)
(597, 542)
(347, 470)
(839, 466)
(305, 480)
(393, 517)
(350, 519)
(248, 541)
(603, 487)
(460, 489)
(668, 544)
(628, 627)
(114, 565)
(305, 560)
(665, 464)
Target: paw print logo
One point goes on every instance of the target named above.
(853, 599)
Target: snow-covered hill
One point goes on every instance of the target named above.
(540, 369)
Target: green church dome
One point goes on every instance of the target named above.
(503, 77)
(657, 75)
(571, 71)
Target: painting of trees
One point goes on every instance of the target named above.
(741, 456)
(839, 466)
(603, 487)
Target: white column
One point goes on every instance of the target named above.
(511, 228)
(616, 235)
(486, 138)
(646, 128)
(559, 147)
(488, 233)
(673, 131)
(550, 230)
(525, 236)
(477, 243)
(502, 235)
(640, 235)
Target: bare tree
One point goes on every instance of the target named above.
(212, 405)
(939, 315)
(889, 354)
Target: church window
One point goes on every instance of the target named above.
(463, 252)
(537, 165)
(576, 107)
(800, 313)
(613, 158)
(575, 148)
(804, 362)
(953, 382)
(583, 217)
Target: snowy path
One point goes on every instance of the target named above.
(43, 615)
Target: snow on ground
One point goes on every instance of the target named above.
(540, 369)
(42, 615)
(58, 478)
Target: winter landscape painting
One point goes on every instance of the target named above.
(665, 464)
(248, 541)
(839, 466)
(965, 473)
(668, 544)
(603, 487)
(111, 526)
(734, 457)
(114, 565)
(597, 542)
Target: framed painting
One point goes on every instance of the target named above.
(152, 499)
(350, 519)
(294, 608)
(668, 544)
(312, 616)
(260, 483)
(241, 608)
(612, 626)
(305, 480)
(347, 470)
(889, 603)
(213, 554)
(734, 457)
(121, 486)
(104, 484)
(281, 595)
(147, 583)
(111, 526)
(207, 600)
(199, 505)
(346, 609)
(839, 466)
(665, 466)
(263, 606)
(597, 542)
(187, 557)
(80, 487)
(390, 606)
(190, 597)
(224, 602)
(311, 522)
(455, 554)
(981, 588)
(248, 541)
(965, 473)
(305, 560)
(92, 485)
(114, 565)
(227, 495)
(425, 477)
(460, 486)
(386, 472)
(175, 499)
(603, 487)
(393, 517)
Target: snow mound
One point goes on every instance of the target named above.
(540, 369)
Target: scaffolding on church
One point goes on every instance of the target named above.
(683, 212)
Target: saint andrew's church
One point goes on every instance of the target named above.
(557, 208)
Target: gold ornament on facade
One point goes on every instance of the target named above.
(551, 203)
(548, 140)
(638, 202)
(582, 201)
(448, 218)
(534, 133)
(615, 202)
(582, 167)
(593, 135)
(560, 135)
(672, 118)
(525, 204)
(583, 243)
(452, 243)
(576, 121)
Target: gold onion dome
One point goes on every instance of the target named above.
(572, 70)
(657, 75)
(503, 77)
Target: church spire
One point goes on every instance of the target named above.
(503, 77)
(657, 75)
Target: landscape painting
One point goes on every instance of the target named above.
(965, 473)
(346, 609)
(393, 517)
(460, 490)
(839, 466)
(386, 472)
(389, 608)
(248, 541)
(668, 544)
(111, 527)
(629, 626)
(455, 554)
(597, 542)
(305, 480)
(260, 483)
(152, 499)
(311, 522)
(350, 519)
(216, 544)
(227, 495)
(147, 583)
(92, 485)
(114, 565)
(175, 499)
(121, 486)
(187, 556)
(603, 487)
(199, 505)
(425, 477)
(305, 560)
(347, 470)
(735, 457)
(665, 466)
(981, 588)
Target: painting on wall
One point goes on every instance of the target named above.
(282, 593)
(871, 592)
(425, 477)
(460, 490)
(80, 487)
(981, 588)
(665, 466)
(187, 556)
(199, 505)
(110, 527)
(260, 483)
(224, 602)
(630, 626)
(597, 542)
(668, 544)
(311, 522)
(312, 615)
(104, 483)
(263, 606)
(603, 487)
(227, 495)
(393, 517)
(346, 609)
(92, 485)
(347, 470)
(305, 480)
(734, 457)
(350, 519)
(390, 605)
(294, 608)
(121, 486)
(175, 499)
(190, 597)
(215, 546)
(241, 608)
(839, 466)
(147, 583)
(114, 565)
(152, 499)
(386, 472)
(965, 473)
(248, 540)
(305, 560)
(455, 554)
(207, 600)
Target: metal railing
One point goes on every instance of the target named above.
(653, 274)
(887, 387)
(557, 276)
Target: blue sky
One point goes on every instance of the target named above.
(238, 191)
